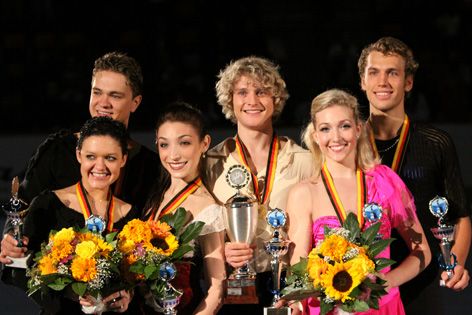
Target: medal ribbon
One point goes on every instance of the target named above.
(400, 150)
(336, 200)
(270, 170)
(85, 206)
(178, 199)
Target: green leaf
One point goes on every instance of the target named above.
(150, 270)
(181, 251)
(325, 307)
(379, 246)
(381, 263)
(191, 232)
(300, 267)
(352, 225)
(360, 306)
(176, 219)
(137, 267)
(79, 288)
(110, 237)
(370, 233)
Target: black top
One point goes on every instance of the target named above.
(430, 168)
(54, 166)
(47, 212)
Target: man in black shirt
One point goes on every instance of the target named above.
(116, 92)
(426, 160)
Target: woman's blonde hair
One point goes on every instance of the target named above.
(365, 158)
(259, 69)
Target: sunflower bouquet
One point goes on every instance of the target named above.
(342, 269)
(81, 260)
(149, 246)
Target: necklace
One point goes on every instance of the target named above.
(390, 147)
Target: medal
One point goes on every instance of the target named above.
(93, 222)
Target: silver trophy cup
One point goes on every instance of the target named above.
(439, 206)
(16, 210)
(276, 247)
(240, 216)
(171, 297)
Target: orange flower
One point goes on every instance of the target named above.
(83, 269)
(47, 265)
(159, 229)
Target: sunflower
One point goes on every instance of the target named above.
(164, 246)
(340, 279)
(83, 269)
(316, 267)
(61, 250)
(334, 247)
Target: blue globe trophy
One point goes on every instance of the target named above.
(439, 206)
(276, 247)
(373, 212)
(15, 210)
(171, 297)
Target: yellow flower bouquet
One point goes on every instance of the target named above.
(82, 260)
(342, 269)
(148, 246)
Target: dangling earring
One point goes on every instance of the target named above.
(204, 155)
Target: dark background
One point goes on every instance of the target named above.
(47, 49)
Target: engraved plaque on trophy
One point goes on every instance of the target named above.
(276, 247)
(241, 221)
(438, 206)
(15, 211)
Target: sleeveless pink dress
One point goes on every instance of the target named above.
(387, 189)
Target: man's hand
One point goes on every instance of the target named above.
(10, 248)
(238, 254)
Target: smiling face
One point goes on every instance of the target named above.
(336, 133)
(112, 96)
(385, 82)
(101, 159)
(180, 149)
(253, 104)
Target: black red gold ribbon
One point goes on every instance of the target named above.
(263, 196)
(401, 146)
(336, 200)
(178, 198)
(87, 210)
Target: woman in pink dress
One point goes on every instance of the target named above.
(345, 168)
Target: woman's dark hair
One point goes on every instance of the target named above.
(104, 126)
(175, 112)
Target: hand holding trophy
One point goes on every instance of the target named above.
(241, 221)
(439, 206)
(15, 211)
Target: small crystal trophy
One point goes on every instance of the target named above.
(241, 218)
(439, 206)
(15, 210)
(171, 297)
(373, 212)
(276, 247)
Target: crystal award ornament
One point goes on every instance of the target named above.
(373, 212)
(171, 297)
(241, 216)
(16, 210)
(276, 247)
(438, 206)
(95, 224)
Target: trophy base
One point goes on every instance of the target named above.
(277, 311)
(240, 291)
(21, 263)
